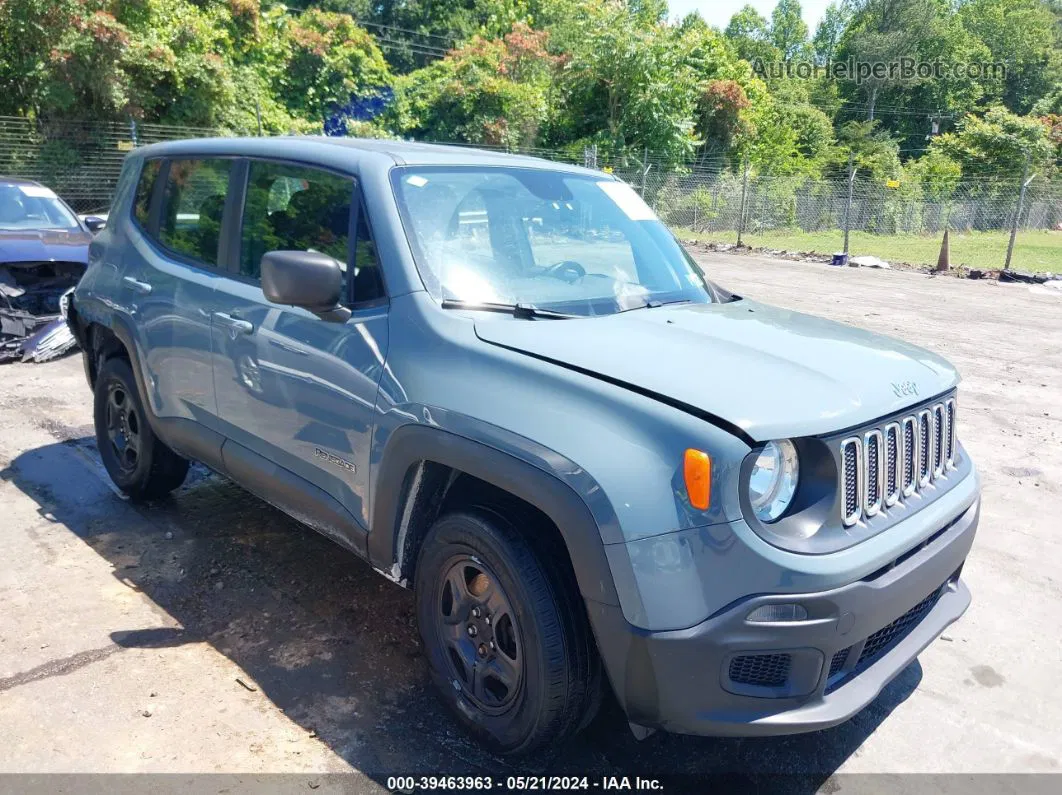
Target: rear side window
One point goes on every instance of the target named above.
(149, 174)
(193, 206)
(294, 208)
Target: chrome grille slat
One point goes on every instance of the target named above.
(910, 456)
(949, 458)
(885, 466)
(925, 447)
(893, 452)
(851, 480)
(872, 481)
(940, 431)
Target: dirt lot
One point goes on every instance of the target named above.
(208, 633)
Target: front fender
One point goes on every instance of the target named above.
(558, 487)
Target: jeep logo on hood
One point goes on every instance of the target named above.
(905, 388)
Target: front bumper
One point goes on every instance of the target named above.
(731, 677)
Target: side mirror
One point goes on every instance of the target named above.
(94, 223)
(306, 279)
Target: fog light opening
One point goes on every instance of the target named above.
(766, 614)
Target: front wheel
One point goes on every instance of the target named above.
(139, 463)
(506, 638)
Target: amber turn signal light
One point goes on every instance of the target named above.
(697, 470)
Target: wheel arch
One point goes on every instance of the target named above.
(420, 467)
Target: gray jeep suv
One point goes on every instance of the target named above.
(503, 383)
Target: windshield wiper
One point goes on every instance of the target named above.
(518, 310)
(654, 304)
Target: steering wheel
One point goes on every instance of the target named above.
(567, 270)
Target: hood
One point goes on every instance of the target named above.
(770, 372)
(44, 245)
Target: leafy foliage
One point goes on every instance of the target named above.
(564, 74)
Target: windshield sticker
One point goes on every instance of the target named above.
(38, 191)
(417, 181)
(628, 201)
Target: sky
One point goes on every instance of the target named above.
(718, 12)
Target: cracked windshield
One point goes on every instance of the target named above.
(549, 239)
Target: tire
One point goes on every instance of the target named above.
(139, 463)
(532, 688)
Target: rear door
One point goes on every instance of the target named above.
(292, 388)
(170, 271)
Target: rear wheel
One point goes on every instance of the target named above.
(139, 463)
(506, 637)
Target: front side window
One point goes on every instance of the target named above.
(294, 208)
(368, 278)
(27, 206)
(193, 207)
(573, 243)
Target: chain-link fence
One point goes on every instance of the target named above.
(713, 203)
(81, 160)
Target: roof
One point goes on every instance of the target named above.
(17, 181)
(361, 150)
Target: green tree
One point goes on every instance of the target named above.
(998, 143)
(750, 35)
(1023, 35)
(631, 85)
(487, 92)
(331, 60)
(789, 32)
(829, 31)
(61, 57)
(885, 32)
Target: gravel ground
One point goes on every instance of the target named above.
(210, 634)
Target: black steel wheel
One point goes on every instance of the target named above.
(506, 636)
(123, 427)
(477, 626)
(139, 463)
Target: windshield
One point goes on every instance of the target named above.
(577, 244)
(33, 207)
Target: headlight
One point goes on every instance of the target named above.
(773, 480)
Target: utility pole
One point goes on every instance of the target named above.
(848, 203)
(744, 193)
(258, 113)
(1025, 180)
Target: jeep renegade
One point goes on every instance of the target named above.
(503, 383)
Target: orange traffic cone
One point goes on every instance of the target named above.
(944, 260)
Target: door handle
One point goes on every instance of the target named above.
(236, 325)
(136, 286)
(289, 348)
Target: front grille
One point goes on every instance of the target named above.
(886, 465)
(761, 670)
(887, 637)
(837, 662)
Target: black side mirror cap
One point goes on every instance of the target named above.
(94, 223)
(306, 279)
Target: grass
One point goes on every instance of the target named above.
(1033, 251)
